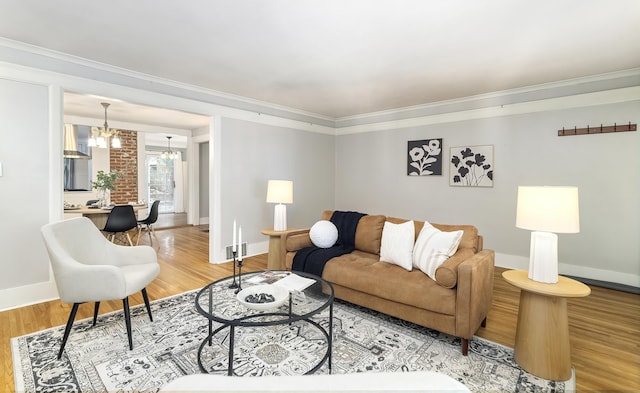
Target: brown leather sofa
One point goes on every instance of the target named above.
(456, 302)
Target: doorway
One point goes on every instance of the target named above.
(161, 183)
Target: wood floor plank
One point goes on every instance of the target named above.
(604, 327)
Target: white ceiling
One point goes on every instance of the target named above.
(90, 106)
(338, 58)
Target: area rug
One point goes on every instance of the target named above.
(97, 359)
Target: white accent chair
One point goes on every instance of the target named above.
(416, 381)
(89, 268)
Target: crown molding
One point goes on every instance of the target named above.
(36, 57)
(582, 91)
(549, 104)
(534, 93)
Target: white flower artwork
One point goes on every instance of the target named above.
(424, 157)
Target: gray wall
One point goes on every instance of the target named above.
(254, 153)
(361, 172)
(24, 185)
(203, 170)
(371, 177)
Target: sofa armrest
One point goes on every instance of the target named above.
(294, 240)
(474, 292)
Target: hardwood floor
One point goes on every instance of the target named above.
(170, 220)
(604, 327)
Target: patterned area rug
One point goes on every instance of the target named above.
(97, 359)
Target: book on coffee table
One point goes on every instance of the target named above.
(267, 277)
(294, 282)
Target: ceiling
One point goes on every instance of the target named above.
(335, 58)
(90, 106)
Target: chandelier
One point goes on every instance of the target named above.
(169, 154)
(100, 136)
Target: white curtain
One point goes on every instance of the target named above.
(179, 174)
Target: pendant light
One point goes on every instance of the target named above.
(100, 136)
(169, 154)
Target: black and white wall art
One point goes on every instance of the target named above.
(471, 166)
(424, 158)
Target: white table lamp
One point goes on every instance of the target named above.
(547, 211)
(280, 191)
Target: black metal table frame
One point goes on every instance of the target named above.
(246, 322)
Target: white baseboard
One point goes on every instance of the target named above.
(28, 294)
(258, 248)
(565, 269)
(253, 249)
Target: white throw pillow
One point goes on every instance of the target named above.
(397, 244)
(433, 247)
(324, 234)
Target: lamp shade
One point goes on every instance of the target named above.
(280, 191)
(548, 209)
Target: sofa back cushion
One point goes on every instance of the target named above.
(368, 232)
(447, 273)
(469, 238)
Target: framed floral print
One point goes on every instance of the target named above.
(424, 158)
(471, 166)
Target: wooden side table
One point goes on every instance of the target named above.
(274, 259)
(542, 336)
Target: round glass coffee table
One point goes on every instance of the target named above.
(218, 303)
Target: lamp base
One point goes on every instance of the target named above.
(280, 218)
(543, 257)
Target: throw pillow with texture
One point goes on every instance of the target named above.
(323, 234)
(397, 244)
(433, 247)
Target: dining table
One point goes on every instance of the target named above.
(98, 215)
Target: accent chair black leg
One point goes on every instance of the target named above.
(67, 329)
(146, 303)
(96, 307)
(127, 319)
(465, 346)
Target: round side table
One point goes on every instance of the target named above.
(542, 336)
(275, 259)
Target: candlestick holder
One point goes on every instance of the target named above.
(234, 284)
(239, 276)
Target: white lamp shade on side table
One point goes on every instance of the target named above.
(547, 211)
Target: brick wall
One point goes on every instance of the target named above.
(125, 161)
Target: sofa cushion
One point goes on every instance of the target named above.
(433, 247)
(397, 244)
(390, 282)
(369, 234)
(469, 237)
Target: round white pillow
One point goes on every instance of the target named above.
(324, 234)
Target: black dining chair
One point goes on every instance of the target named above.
(148, 222)
(121, 220)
